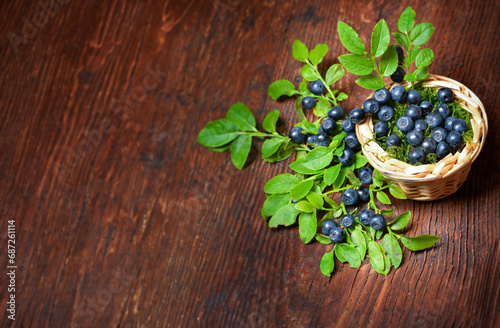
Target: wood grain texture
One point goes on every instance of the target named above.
(123, 220)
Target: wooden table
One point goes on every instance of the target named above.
(123, 220)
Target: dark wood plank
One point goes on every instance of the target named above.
(123, 220)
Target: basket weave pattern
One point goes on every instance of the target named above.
(432, 181)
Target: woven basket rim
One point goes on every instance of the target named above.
(404, 177)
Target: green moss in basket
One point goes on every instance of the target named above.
(427, 93)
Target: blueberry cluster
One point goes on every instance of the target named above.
(329, 126)
(420, 118)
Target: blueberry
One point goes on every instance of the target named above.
(336, 113)
(404, 124)
(347, 157)
(317, 87)
(347, 220)
(351, 140)
(347, 125)
(365, 176)
(399, 75)
(413, 97)
(386, 113)
(349, 196)
(428, 145)
(399, 93)
(363, 194)
(416, 155)
(421, 125)
(393, 141)
(377, 222)
(439, 134)
(414, 112)
(380, 128)
(296, 135)
(328, 225)
(453, 139)
(311, 138)
(414, 137)
(328, 126)
(443, 110)
(448, 123)
(365, 216)
(357, 115)
(323, 143)
(371, 106)
(443, 149)
(308, 102)
(382, 96)
(337, 235)
(322, 137)
(445, 95)
(434, 120)
(459, 125)
(426, 107)
(400, 53)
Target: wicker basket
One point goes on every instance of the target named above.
(433, 181)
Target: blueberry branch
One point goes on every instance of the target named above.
(324, 83)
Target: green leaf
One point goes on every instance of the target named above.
(240, 148)
(322, 107)
(218, 133)
(317, 54)
(359, 240)
(334, 73)
(391, 245)
(413, 54)
(387, 212)
(419, 243)
(287, 215)
(353, 179)
(359, 161)
(380, 39)
(315, 199)
(338, 212)
(402, 40)
(242, 116)
(342, 96)
(348, 253)
(421, 33)
(356, 64)
(340, 179)
(327, 264)
(304, 206)
(401, 221)
(299, 51)
(331, 202)
(317, 158)
(424, 58)
(406, 20)
(271, 146)
(389, 61)
(299, 167)
(308, 127)
(376, 256)
(307, 226)
(350, 39)
(280, 88)
(421, 73)
(410, 77)
(332, 173)
(273, 203)
(308, 73)
(396, 192)
(270, 121)
(281, 184)
(370, 81)
(301, 190)
(383, 198)
(325, 240)
(220, 149)
(378, 234)
(298, 109)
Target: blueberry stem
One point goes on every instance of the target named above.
(372, 201)
(337, 190)
(324, 82)
(343, 208)
(377, 70)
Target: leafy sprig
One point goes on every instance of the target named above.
(311, 72)
(364, 63)
(412, 37)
